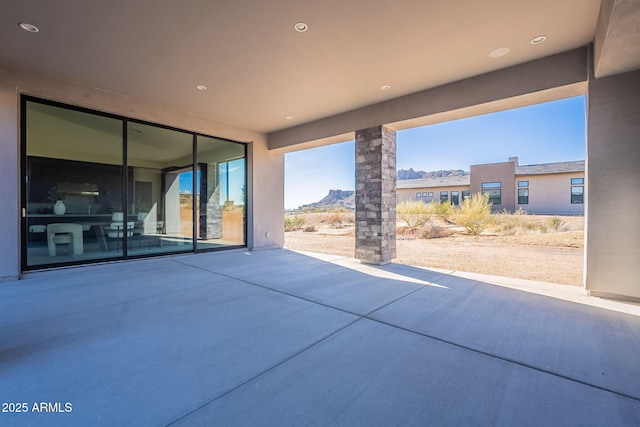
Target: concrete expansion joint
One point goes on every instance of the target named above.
(368, 316)
(266, 371)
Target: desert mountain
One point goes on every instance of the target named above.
(335, 199)
(346, 198)
(413, 174)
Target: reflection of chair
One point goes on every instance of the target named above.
(36, 229)
(115, 232)
(65, 233)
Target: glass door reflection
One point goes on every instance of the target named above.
(73, 186)
(97, 186)
(221, 194)
(161, 190)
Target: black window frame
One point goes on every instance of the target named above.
(577, 198)
(523, 196)
(494, 190)
(577, 184)
(523, 192)
(455, 198)
(25, 99)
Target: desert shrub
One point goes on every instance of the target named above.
(431, 231)
(309, 229)
(293, 223)
(554, 222)
(443, 209)
(335, 219)
(349, 217)
(314, 210)
(474, 213)
(509, 223)
(413, 212)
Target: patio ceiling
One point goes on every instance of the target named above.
(261, 73)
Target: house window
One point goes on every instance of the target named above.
(444, 196)
(577, 194)
(466, 194)
(523, 196)
(577, 191)
(430, 194)
(494, 190)
(523, 192)
(418, 195)
(424, 195)
(455, 198)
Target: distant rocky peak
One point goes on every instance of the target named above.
(335, 199)
(413, 174)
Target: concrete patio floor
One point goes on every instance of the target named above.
(283, 338)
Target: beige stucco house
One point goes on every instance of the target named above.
(551, 188)
(545, 189)
(450, 189)
(116, 110)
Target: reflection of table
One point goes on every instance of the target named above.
(65, 233)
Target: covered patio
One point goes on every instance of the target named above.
(277, 337)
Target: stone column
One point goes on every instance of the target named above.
(213, 207)
(375, 195)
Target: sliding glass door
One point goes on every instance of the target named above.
(221, 194)
(161, 161)
(99, 187)
(73, 185)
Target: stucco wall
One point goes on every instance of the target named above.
(9, 161)
(266, 168)
(404, 194)
(546, 79)
(550, 194)
(613, 174)
(496, 172)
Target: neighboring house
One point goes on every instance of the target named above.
(550, 188)
(440, 189)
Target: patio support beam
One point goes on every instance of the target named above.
(375, 195)
(554, 77)
(612, 237)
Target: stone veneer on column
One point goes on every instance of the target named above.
(375, 195)
(213, 208)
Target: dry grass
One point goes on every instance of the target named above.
(536, 248)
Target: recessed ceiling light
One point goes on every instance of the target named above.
(201, 87)
(385, 87)
(289, 117)
(29, 27)
(538, 39)
(497, 53)
(301, 27)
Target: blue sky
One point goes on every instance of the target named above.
(236, 181)
(543, 133)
